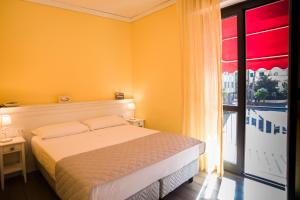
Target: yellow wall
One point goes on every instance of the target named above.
(47, 51)
(156, 70)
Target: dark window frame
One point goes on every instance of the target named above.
(294, 86)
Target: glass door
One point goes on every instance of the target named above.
(232, 106)
(255, 89)
(267, 31)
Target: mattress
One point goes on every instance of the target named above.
(49, 152)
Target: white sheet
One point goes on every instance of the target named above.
(50, 151)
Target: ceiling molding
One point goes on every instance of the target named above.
(101, 13)
(81, 9)
(226, 3)
(154, 9)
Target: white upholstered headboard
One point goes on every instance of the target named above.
(27, 118)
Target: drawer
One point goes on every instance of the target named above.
(140, 124)
(12, 148)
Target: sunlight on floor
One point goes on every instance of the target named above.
(208, 187)
(257, 191)
(227, 189)
(230, 188)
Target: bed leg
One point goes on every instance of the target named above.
(191, 180)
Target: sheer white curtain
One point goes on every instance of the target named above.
(200, 24)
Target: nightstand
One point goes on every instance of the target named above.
(16, 146)
(136, 122)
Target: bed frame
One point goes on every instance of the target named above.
(174, 180)
(27, 118)
(154, 191)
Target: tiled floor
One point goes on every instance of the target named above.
(203, 187)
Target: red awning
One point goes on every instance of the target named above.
(266, 39)
(268, 64)
(229, 44)
(267, 17)
(229, 67)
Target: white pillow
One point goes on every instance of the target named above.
(104, 122)
(60, 130)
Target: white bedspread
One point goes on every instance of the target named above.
(50, 151)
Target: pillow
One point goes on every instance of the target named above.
(104, 122)
(60, 130)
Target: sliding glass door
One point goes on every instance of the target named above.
(267, 91)
(255, 88)
(232, 103)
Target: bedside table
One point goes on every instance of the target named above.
(136, 122)
(17, 145)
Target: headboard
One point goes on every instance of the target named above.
(26, 118)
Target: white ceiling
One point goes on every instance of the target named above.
(122, 8)
(125, 10)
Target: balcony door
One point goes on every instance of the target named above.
(255, 89)
(233, 90)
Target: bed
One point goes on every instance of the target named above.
(59, 156)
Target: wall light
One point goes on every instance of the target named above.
(131, 107)
(5, 121)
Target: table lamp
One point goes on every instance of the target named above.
(131, 106)
(5, 121)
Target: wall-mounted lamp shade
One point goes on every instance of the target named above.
(131, 106)
(5, 120)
